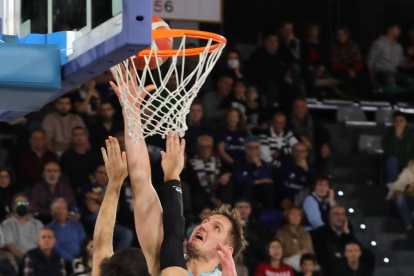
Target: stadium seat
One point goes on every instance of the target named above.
(350, 113)
(370, 144)
(384, 116)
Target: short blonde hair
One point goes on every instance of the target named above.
(237, 232)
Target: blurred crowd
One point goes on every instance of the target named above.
(251, 142)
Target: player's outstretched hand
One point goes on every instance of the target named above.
(227, 262)
(173, 159)
(115, 162)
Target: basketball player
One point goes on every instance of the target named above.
(216, 241)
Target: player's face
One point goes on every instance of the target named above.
(60, 211)
(279, 123)
(300, 109)
(275, 250)
(307, 267)
(46, 239)
(244, 209)
(63, 106)
(295, 217)
(52, 173)
(196, 113)
(352, 252)
(209, 233)
(4, 179)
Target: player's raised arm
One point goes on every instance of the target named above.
(147, 207)
(116, 168)
(172, 253)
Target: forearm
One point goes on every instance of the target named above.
(13, 249)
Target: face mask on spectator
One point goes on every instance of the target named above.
(21, 210)
(233, 63)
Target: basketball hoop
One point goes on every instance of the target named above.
(164, 109)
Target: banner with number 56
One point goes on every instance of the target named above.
(192, 10)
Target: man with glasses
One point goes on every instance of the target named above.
(21, 230)
(252, 180)
(209, 182)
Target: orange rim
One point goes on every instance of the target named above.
(156, 34)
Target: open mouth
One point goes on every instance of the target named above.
(198, 236)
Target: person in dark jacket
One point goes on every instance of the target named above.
(7, 190)
(352, 265)
(44, 261)
(290, 50)
(312, 133)
(398, 145)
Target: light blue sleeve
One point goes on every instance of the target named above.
(311, 208)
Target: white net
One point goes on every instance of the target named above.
(164, 106)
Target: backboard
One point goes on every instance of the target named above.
(97, 34)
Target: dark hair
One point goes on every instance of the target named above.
(107, 102)
(222, 76)
(125, 262)
(278, 113)
(98, 166)
(47, 228)
(390, 25)
(268, 35)
(309, 26)
(352, 242)
(285, 23)
(83, 254)
(37, 130)
(308, 257)
(236, 232)
(320, 177)
(78, 128)
(267, 255)
(65, 96)
(9, 171)
(242, 121)
(299, 99)
(16, 195)
(398, 114)
(242, 199)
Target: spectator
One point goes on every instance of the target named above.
(230, 138)
(270, 73)
(33, 160)
(69, 234)
(386, 57)
(213, 101)
(90, 199)
(346, 56)
(46, 191)
(196, 128)
(21, 230)
(78, 162)
(308, 265)
(237, 99)
(255, 110)
(315, 61)
(87, 100)
(290, 50)
(404, 193)
(295, 240)
(312, 133)
(277, 141)
(293, 175)
(82, 266)
(231, 65)
(318, 204)
(209, 183)
(104, 126)
(254, 234)
(331, 238)
(205, 213)
(409, 51)
(274, 262)
(251, 178)
(398, 145)
(7, 190)
(44, 260)
(352, 265)
(8, 265)
(58, 126)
